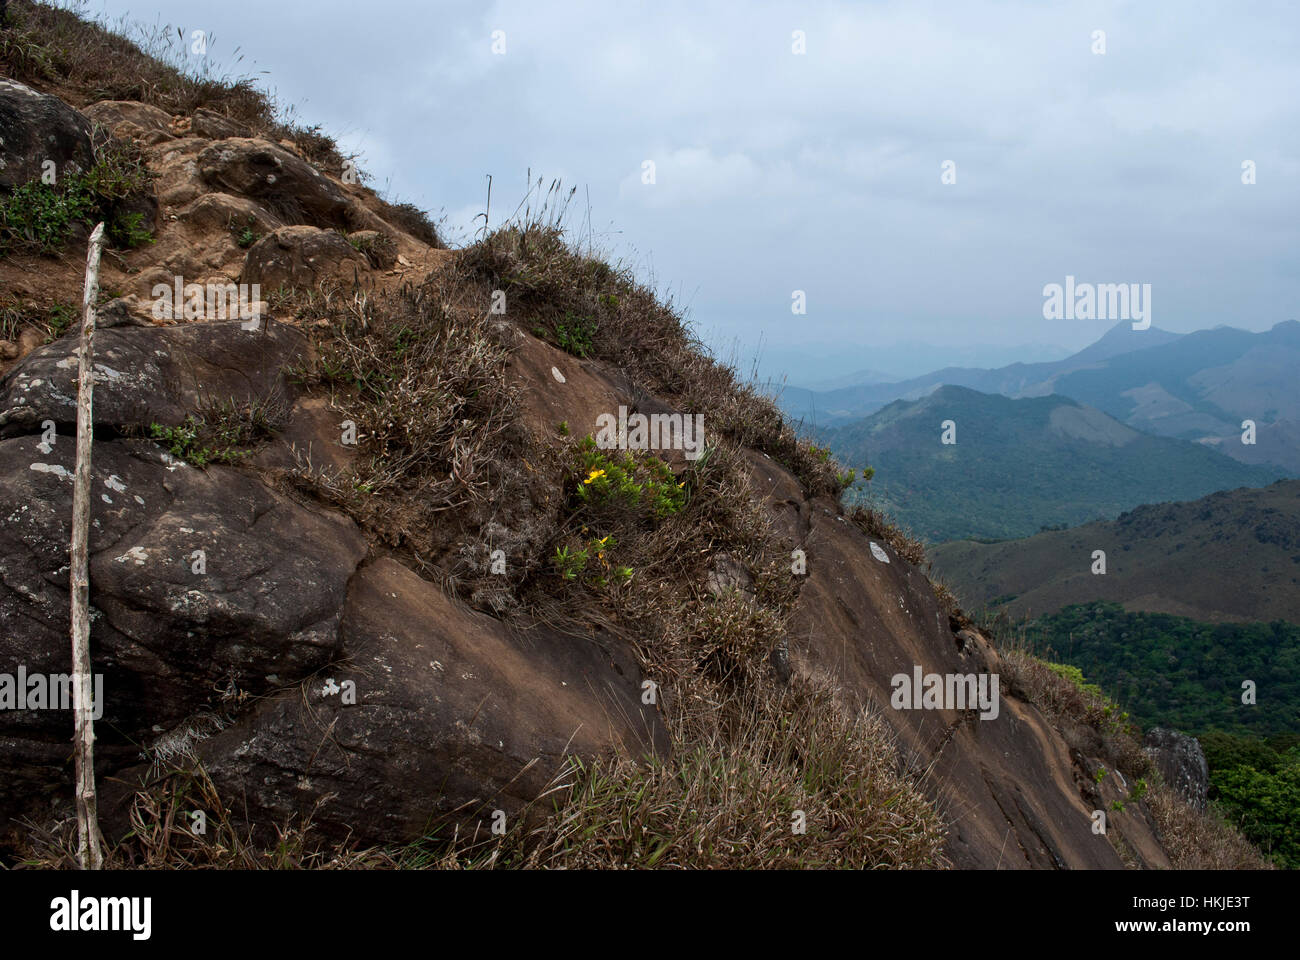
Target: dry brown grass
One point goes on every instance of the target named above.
(1199, 841)
(163, 836)
(740, 780)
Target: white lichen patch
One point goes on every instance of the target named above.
(114, 482)
(59, 471)
(137, 555)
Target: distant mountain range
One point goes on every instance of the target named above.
(1230, 556)
(1020, 465)
(1197, 386)
(854, 400)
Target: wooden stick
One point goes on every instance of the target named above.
(90, 843)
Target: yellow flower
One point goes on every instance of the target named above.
(594, 475)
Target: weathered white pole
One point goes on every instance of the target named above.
(90, 843)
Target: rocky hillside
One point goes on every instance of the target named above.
(835, 404)
(1016, 466)
(1198, 387)
(1231, 556)
(360, 578)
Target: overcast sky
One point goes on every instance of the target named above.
(777, 171)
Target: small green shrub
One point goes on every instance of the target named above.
(572, 564)
(574, 333)
(128, 232)
(38, 217)
(59, 318)
(645, 484)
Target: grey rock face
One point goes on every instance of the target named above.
(151, 374)
(301, 256)
(34, 128)
(281, 181)
(1181, 762)
(205, 585)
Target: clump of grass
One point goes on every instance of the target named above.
(949, 604)
(1196, 840)
(162, 835)
(571, 333)
(410, 219)
(785, 779)
(59, 318)
(591, 563)
(440, 451)
(875, 524)
(52, 320)
(224, 432)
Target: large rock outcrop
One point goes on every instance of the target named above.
(36, 128)
(453, 715)
(301, 256)
(208, 585)
(279, 180)
(223, 612)
(1181, 761)
(146, 375)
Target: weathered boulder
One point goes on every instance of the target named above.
(206, 586)
(147, 375)
(454, 715)
(222, 212)
(1181, 761)
(35, 128)
(302, 256)
(284, 183)
(129, 118)
(214, 126)
(126, 311)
